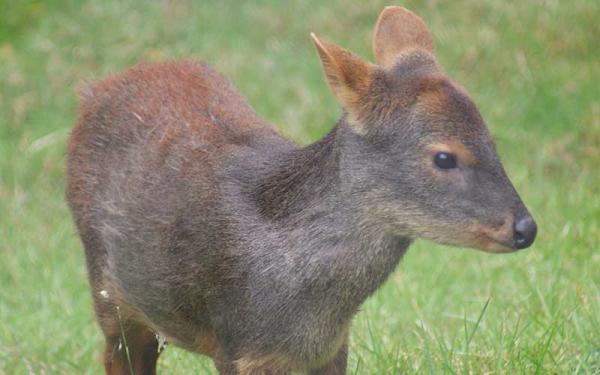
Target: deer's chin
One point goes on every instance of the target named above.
(478, 241)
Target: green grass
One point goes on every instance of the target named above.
(533, 67)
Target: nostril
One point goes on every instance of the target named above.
(524, 232)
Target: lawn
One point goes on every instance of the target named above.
(533, 68)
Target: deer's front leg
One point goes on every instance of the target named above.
(337, 366)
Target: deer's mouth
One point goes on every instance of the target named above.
(490, 244)
(494, 238)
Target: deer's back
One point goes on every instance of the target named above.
(156, 105)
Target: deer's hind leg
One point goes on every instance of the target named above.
(131, 347)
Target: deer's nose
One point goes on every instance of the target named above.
(525, 230)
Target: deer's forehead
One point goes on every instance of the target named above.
(446, 107)
(444, 116)
(437, 109)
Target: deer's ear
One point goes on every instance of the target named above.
(396, 31)
(348, 76)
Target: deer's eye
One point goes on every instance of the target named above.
(444, 160)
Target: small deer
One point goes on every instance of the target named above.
(204, 226)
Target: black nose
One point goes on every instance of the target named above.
(525, 231)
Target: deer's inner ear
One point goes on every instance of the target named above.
(348, 76)
(397, 31)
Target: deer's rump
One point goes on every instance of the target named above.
(144, 188)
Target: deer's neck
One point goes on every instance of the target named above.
(299, 179)
(342, 255)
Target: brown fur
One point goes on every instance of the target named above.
(492, 237)
(454, 147)
(348, 77)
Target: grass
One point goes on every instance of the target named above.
(533, 68)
